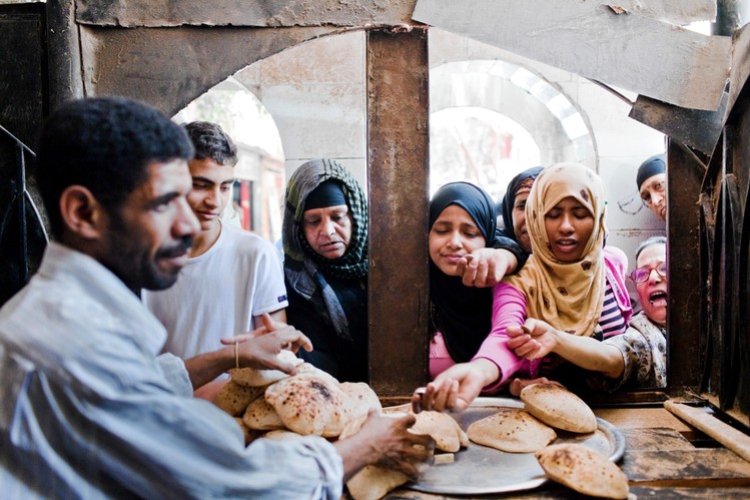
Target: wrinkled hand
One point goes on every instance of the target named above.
(484, 267)
(532, 340)
(454, 389)
(391, 445)
(259, 348)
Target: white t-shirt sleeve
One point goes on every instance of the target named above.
(270, 292)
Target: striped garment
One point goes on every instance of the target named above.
(611, 321)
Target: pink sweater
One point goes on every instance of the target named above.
(509, 308)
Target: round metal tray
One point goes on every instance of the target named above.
(479, 470)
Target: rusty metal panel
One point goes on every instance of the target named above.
(696, 128)
(169, 67)
(597, 41)
(397, 106)
(282, 13)
(684, 178)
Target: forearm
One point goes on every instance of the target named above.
(354, 455)
(206, 367)
(510, 260)
(590, 354)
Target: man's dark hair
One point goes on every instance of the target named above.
(104, 144)
(211, 142)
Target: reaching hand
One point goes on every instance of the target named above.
(517, 385)
(388, 443)
(532, 340)
(484, 267)
(457, 387)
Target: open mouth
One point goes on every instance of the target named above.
(658, 298)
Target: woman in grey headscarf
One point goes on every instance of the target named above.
(325, 266)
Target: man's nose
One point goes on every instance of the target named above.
(212, 199)
(186, 223)
(656, 198)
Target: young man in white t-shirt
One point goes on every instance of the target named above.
(232, 277)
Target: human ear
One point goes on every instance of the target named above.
(81, 212)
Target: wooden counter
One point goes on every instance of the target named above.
(664, 458)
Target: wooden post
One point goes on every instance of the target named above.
(397, 130)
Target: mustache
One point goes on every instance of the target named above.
(180, 248)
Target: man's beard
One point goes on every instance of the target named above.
(136, 268)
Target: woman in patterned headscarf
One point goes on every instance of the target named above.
(325, 266)
(571, 282)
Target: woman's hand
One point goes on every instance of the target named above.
(485, 267)
(457, 387)
(532, 340)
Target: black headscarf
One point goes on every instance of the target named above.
(510, 198)
(462, 314)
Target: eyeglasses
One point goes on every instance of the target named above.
(641, 274)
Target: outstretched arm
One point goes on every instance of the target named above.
(535, 339)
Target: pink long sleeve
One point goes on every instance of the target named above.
(508, 308)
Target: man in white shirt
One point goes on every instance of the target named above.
(88, 408)
(232, 277)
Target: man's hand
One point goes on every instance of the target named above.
(385, 441)
(485, 267)
(532, 340)
(457, 387)
(259, 348)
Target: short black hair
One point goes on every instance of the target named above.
(104, 144)
(211, 142)
(654, 240)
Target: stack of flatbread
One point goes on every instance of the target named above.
(275, 405)
(308, 402)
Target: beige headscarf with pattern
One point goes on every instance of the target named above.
(568, 296)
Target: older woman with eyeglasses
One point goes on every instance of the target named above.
(637, 358)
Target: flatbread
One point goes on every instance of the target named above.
(309, 404)
(248, 435)
(512, 430)
(261, 416)
(360, 399)
(281, 434)
(251, 377)
(371, 482)
(233, 398)
(584, 470)
(310, 369)
(556, 406)
(441, 427)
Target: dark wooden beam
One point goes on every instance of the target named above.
(397, 158)
(685, 176)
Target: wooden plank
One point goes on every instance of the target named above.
(169, 67)
(656, 439)
(642, 418)
(588, 38)
(699, 466)
(279, 13)
(725, 493)
(397, 162)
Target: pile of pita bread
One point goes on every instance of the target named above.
(308, 402)
(276, 405)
